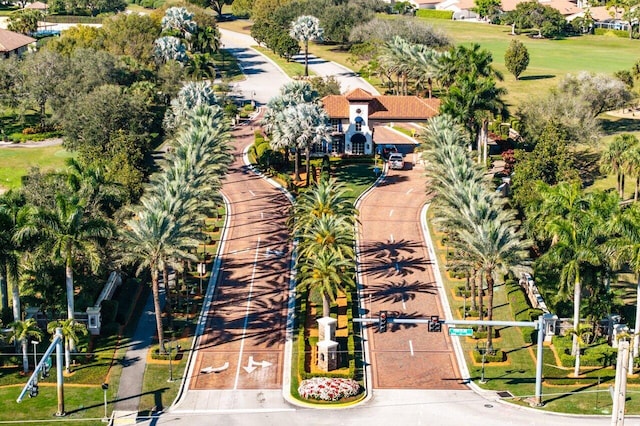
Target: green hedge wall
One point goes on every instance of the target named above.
(617, 33)
(521, 309)
(436, 14)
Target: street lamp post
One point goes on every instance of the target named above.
(202, 268)
(35, 359)
(170, 363)
(223, 57)
(483, 350)
(105, 387)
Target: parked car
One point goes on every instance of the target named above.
(385, 150)
(396, 161)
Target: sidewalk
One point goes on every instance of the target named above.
(134, 362)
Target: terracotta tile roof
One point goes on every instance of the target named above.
(10, 41)
(358, 95)
(403, 108)
(337, 106)
(385, 107)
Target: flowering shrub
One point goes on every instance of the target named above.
(328, 389)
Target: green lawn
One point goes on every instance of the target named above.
(550, 60)
(15, 162)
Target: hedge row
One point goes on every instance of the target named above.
(521, 309)
(435, 14)
(497, 356)
(608, 32)
(595, 356)
(74, 19)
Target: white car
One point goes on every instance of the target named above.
(396, 161)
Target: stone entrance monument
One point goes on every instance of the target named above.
(327, 347)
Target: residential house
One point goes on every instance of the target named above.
(14, 43)
(361, 120)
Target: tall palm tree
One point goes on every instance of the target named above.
(151, 238)
(71, 331)
(328, 273)
(625, 249)
(326, 198)
(21, 332)
(576, 225)
(276, 123)
(69, 234)
(306, 28)
(474, 101)
(612, 159)
(632, 167)
(304, 125)
(496, 245)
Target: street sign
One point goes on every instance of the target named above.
(460, 331)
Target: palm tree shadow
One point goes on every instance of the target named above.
(399, 292)
(157, 396)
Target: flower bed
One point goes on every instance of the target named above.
(328, 389)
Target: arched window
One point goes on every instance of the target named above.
(357, 142)
(359, 123)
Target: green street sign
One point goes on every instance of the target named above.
(460, 331)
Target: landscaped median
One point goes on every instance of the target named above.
(515, 370)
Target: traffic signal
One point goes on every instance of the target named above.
(33, 391)
(434, 324)
(382, 321)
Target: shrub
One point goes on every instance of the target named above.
(498, 355)
(611, 33)
(435, 14)
(328, 389)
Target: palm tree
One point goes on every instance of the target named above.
(473, 101)
(179, 20)
(201, 66)
(326, 198)
(576, 225)
(170, 48)
(612, 159)
(304, 125)
(275, 122)
(206, 40)
(303, 29)
(21, 332)
(151, 238)
(496, 245)
(69, 234)
(461, 60)
(631, 162)
(328, 273)
(625, 249)
(71, 331)
(328, 232)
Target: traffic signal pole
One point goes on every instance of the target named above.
(33, 380)
(538, 325)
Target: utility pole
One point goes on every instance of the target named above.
(620, 390)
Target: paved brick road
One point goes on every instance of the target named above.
(247, 317)
(397, 276)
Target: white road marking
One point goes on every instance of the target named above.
(409, 191)
(411, 347)
(246, 315)
(391, 213)
(261, 215)
(391, 239)
(252, 193)
(404, 305)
